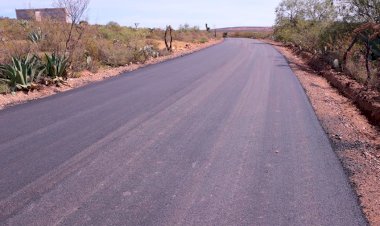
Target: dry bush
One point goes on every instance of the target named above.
(14, 29)
(17, 48)
(4, 88)
(54, 37)
(155, 33)
(251, 34)
(192, 34)
(164, 52)
(113, 54)
(153, 43)
(14, 39)
(203, 40)
(79, 59)
(359, 73)
(90, 46)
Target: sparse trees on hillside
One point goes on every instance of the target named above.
(290, 12)
(320, 10)
(113, 24)
(359, 10)
(184, 27)
(335, 29)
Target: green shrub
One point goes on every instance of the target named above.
(115, 55)
(203, 40)
(326, 30)
(251, 34)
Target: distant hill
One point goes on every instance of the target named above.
(245, 29)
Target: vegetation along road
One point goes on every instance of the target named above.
(225, 136)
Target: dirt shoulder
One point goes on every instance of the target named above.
(355, 140)
(87, 77)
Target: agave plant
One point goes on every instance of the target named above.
(56, 67)
(22, 73)
(35, 36)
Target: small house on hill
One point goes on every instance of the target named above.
(57, 14)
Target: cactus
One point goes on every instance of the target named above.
(36, 36)
(22, 74)
(149, 51)
(168, 35)
(207, 28)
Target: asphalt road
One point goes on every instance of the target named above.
(225, 136)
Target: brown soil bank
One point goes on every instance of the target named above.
(367, 100)
(355, 140)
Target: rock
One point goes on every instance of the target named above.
(336, 64)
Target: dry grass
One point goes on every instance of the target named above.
(250, 34)
(91, 46)
(4, 88)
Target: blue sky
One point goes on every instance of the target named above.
(158, 13)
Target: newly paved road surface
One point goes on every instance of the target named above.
(225, 136)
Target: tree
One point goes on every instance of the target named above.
(366, 14)
(302, 22)
(293, 11)
(183, 28)
(75, 10)
(320, 10)
(322, 27)
(369, 35)
(113, 24)
(290, 11)
(359, 10)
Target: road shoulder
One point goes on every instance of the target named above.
(354, 139)
(86, 77)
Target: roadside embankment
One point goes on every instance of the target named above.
(87, 77)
